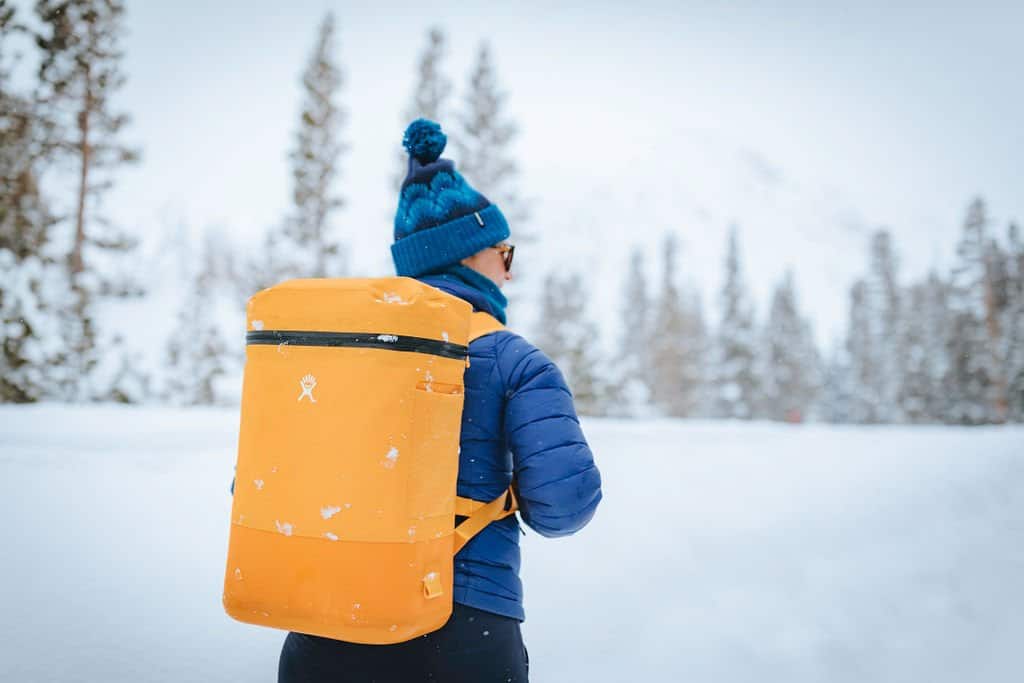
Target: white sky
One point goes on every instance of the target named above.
(806, 125)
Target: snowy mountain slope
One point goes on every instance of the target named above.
(721, 552)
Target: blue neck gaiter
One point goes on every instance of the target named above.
(479, 282)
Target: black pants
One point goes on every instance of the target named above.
(473, 646)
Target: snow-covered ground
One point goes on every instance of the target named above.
(722, 552)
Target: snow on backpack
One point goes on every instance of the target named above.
(343, 521)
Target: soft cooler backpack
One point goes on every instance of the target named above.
(343, 521)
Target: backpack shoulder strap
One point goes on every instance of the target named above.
(481, 513)
(482, 323)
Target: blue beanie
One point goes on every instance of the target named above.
(441, 219)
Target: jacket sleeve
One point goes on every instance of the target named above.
(558, 484)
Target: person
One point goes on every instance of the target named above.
(519, 427)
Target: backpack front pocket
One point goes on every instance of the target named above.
(433, 473)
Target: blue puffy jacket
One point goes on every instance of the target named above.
(519, 421)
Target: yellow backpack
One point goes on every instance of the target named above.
(343, 521)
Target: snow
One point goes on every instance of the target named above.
(391, 298)
(329, 511)
(722, 551)
(390, 459)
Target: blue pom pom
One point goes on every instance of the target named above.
(424, 140)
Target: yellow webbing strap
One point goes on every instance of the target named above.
(483, 323)
(480, 514)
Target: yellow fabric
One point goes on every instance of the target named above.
(347, 463)
(481, 514)
(464, 507)
(483, 323)
(342, 523)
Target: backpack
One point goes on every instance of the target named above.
(343, 520)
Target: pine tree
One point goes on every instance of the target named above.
(632, 388)
(863, 361)
(998, 285)
(196, 351)
(736, 385)
(835, 402)
(429, 97)
(677, 343)
(482, 142)
(315, 163)
(79, 74)
(25, 220)
(33, 284)
(1013, 326)
(791, 377)
(31, 354)
(885, 318)
(973, 371)
(568, 337)
(695, 352)
(922, 396)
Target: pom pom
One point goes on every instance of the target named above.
(424, 140)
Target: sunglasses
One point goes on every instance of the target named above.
(507, 251)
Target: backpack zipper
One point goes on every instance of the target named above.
(367, 340)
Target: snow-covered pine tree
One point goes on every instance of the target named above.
(429, 97)
(315, 159)
(569, 338)
(677, 343)
(973, 370)
(33, 285)
(922, 395)
(792, 367)
(482, 141)
(196, 352)
(835, 403)
(998, 283)
(916, 375)
(862, 359)
(31, 355)
(735, 387)
(885, 320)
(79, 75)
(1013, 327)
(631, 389)
(695, 351)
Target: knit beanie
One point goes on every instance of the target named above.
(441, 219)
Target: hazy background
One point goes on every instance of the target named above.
(806, 124)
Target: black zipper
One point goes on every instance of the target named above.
(366, 340)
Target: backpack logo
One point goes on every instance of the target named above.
(307, 383)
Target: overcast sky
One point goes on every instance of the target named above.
(805, 125)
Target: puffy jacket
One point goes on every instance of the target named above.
(518, 421)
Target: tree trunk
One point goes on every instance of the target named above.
(84, 151)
